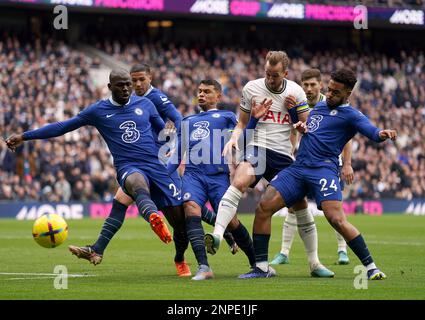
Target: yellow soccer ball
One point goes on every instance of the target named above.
(50, 230)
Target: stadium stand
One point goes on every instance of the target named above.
(48, 80)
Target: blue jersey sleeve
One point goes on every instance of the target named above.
(166, 107)
(56, 129)
(365, 127)
(232, 120)
(154, 118)
(176, 158)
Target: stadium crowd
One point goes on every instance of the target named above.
(48, 82)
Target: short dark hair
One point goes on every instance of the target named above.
(345, 76)
(212, 82)
(311, 73)
(141, 67)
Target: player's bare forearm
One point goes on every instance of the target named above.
(303, 116)
(293, 137)
(347, 172)
(242, 123)
(346, 153)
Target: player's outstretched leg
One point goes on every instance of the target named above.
(94, 253)
(195, 233)
(209, 217)
(342, 249)
(336, 217)
(288, 233)
(244, 176)
(176, 217)
(86, 253)
(137, 187)
(308, 232)
(271, 201)
(226, 212)
(243, 239)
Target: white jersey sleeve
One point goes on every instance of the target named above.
(246, 98)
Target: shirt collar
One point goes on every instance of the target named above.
(148, 91)
(208, 110)
(111, 100)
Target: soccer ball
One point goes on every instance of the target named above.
(50, 230)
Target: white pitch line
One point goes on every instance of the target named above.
(49, 275)
(30, 278)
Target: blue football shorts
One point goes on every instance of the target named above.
(296, 181)
(266, 163)
(165, 189)
(200, 188)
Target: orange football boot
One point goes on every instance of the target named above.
(160, 227)
(183, 269)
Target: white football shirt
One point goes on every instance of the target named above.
(273, 130)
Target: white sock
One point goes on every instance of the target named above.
(371, 266)
(342, 245)
(263, 265)
(308, 233)
(226, 210)
(288, 233)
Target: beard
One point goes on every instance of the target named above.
(333, 105)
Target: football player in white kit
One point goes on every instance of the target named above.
(311, 82)
(269, 152)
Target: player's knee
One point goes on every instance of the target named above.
(337, 220)
(240, 185)
(122, 198)
(263, 210)
(191, 209)
(300, 205)
(134, 182)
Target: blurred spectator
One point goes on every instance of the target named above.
(46, 82)
(62, 187)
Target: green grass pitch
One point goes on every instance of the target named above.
(137, 265)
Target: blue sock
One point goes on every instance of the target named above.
(208, 216)
(359, 247)
(244, 241)
(145, 204)
(181, 242)
(261, 247)
(195, 232)
(111, 226)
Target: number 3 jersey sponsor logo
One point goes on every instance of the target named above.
(314, 122)
(131, 134)
(202, 131)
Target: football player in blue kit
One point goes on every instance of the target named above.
(330, 125)
(126, 122)
(141, 77)
(206, 177)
